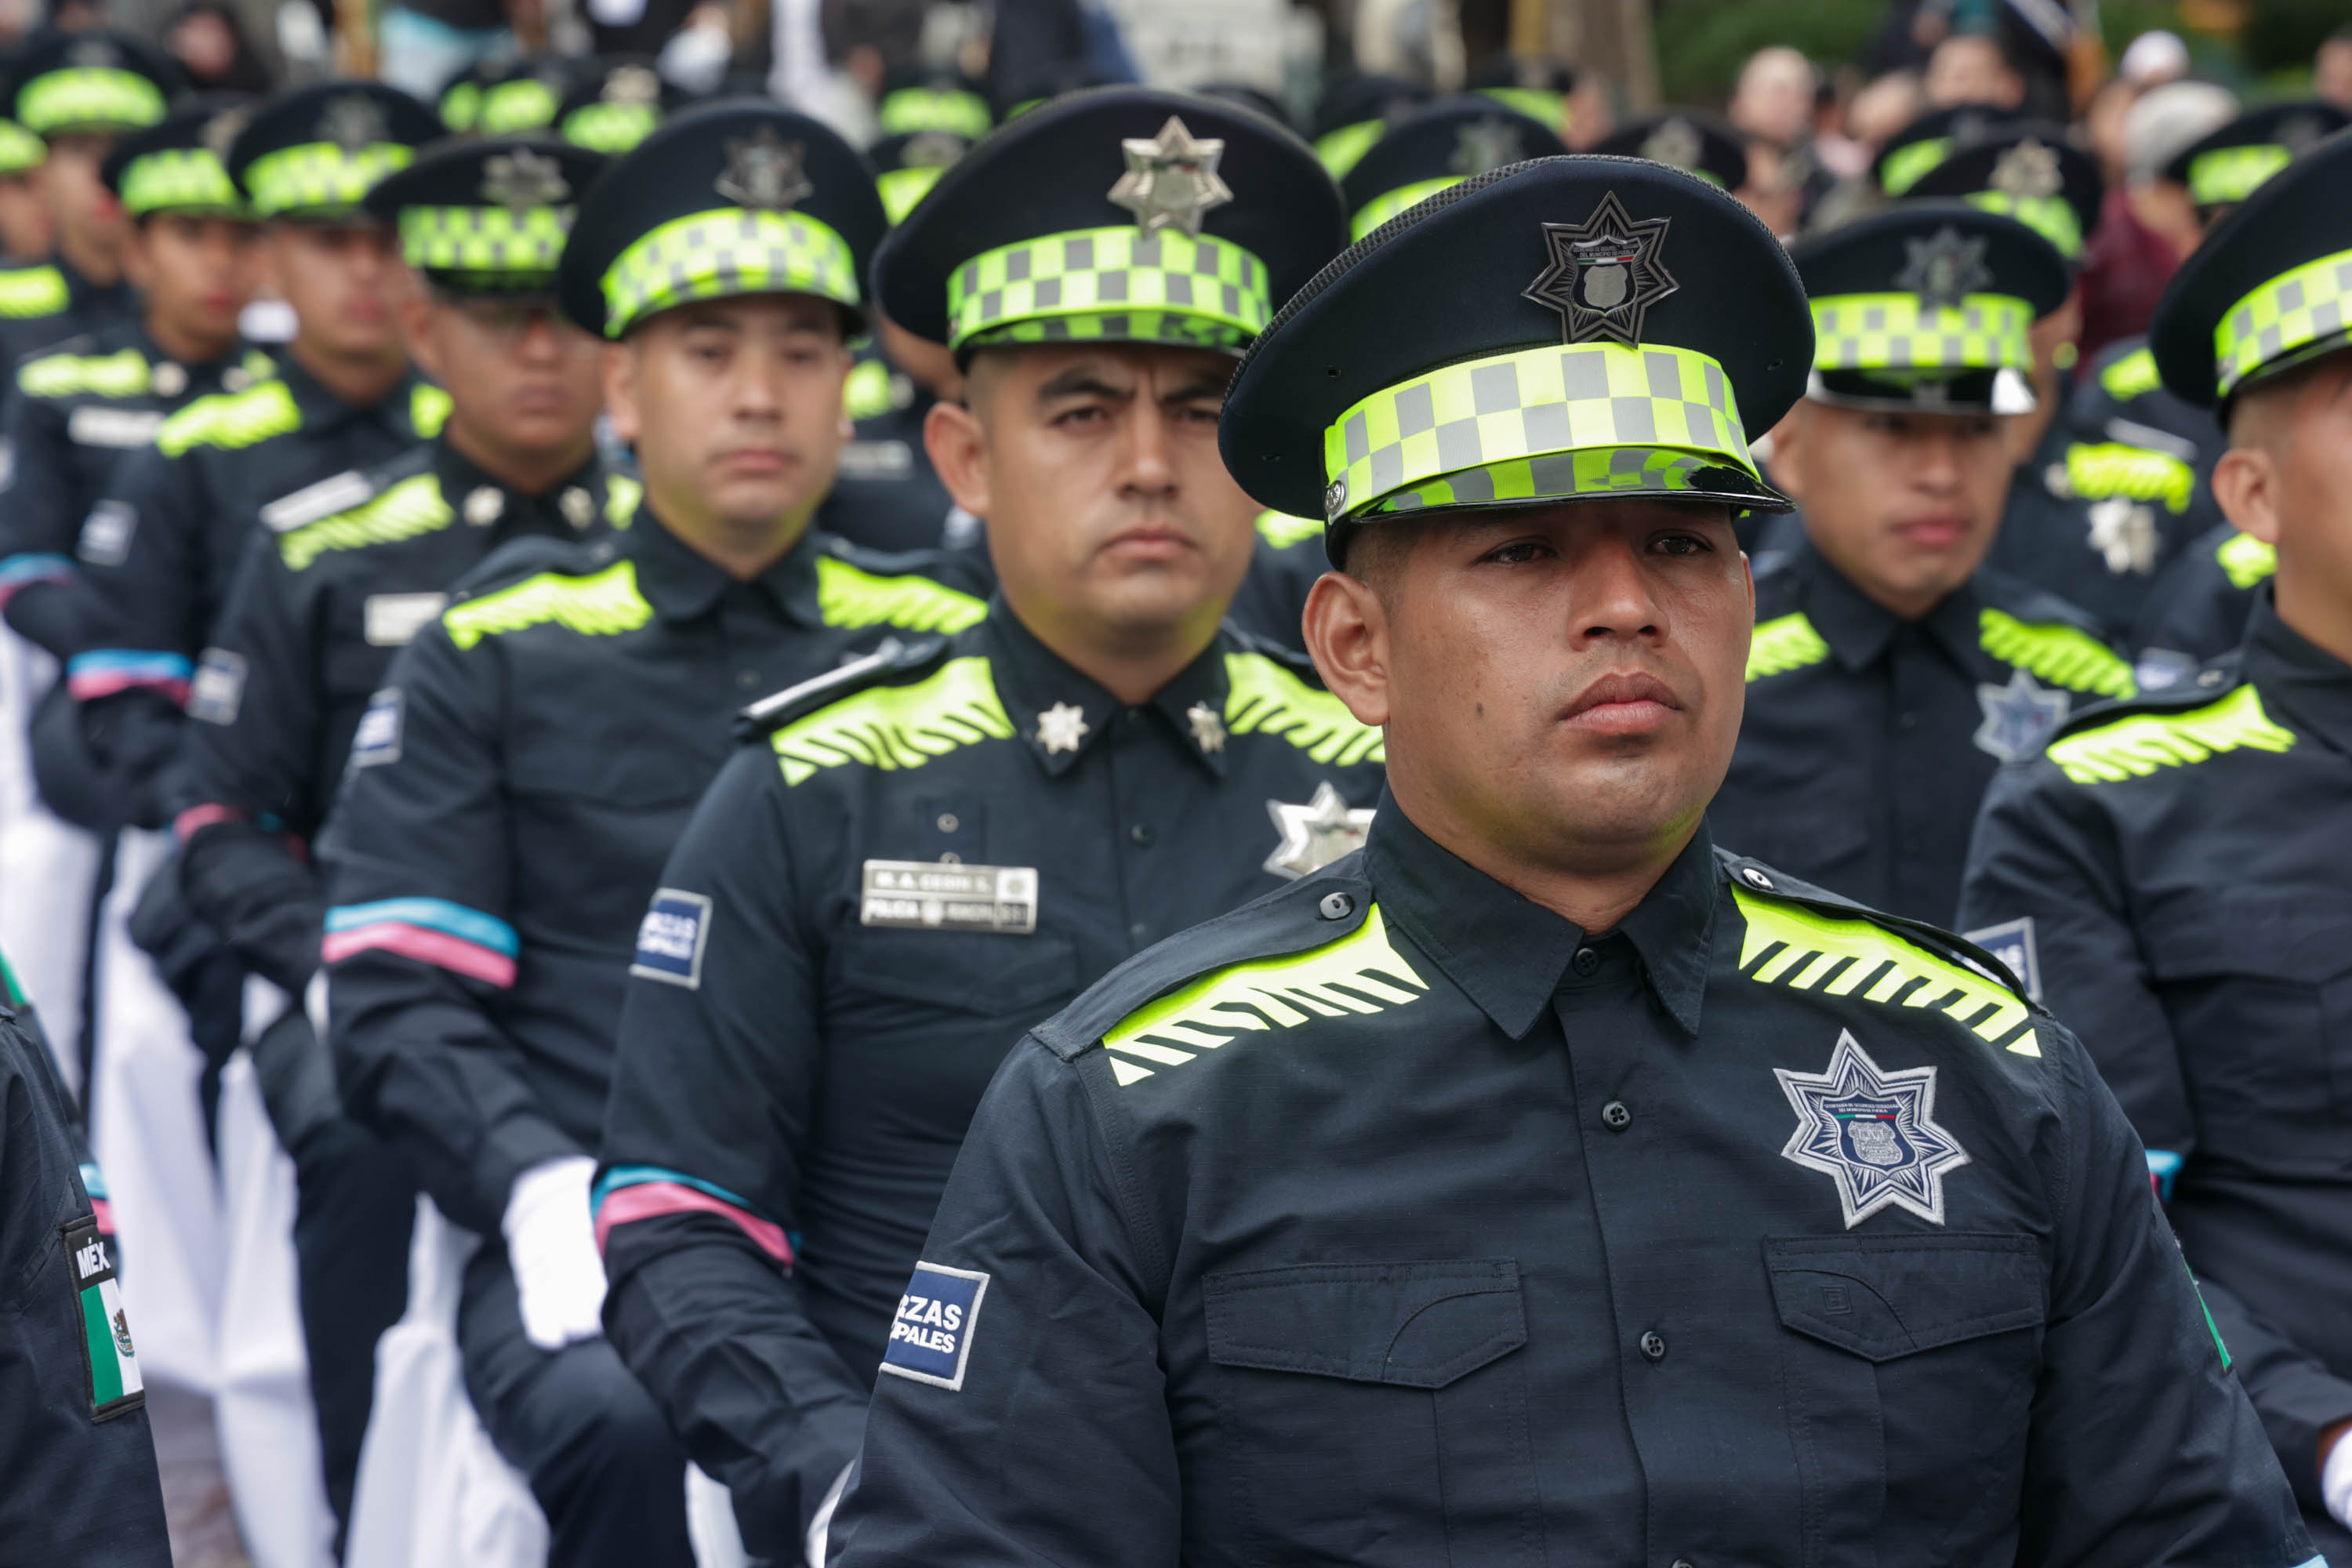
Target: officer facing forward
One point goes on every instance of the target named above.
(2177, 874)
(1545, 1185)
(924, 856)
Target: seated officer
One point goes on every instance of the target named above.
(342, 576)
(1890, 674)
(1544, 1184)
(26, 231)
(537, 747)
(1086, 771)
(2174, 873)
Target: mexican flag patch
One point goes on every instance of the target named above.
(113, 1365)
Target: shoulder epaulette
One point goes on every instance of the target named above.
(2218, 710)
(904, 723)
(622, 493)
(29, 291)
(2130, 374)
(230, 419)
(396, 499)
(868, 588)
(2245, 560)
(1783, 642)
(1809, 938)
(2051, 640)
(2096, 470)
(1282, 530)
(886, 663)
(70, 371)
(539, 581)
(1276, 690)
(428, 409)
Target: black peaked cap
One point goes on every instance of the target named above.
(1871, 255)
(1712, 147)
(1429, 144)
(57, 51)
(1973, 167)
(1960, 125)
(292, 119)
(2298, 125)
(454, 173)
(190, 125)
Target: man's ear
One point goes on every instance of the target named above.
(958, 443)
(1788, 461)
(621, 369)
(1347, 631)
(416, 329)
(2246, 483)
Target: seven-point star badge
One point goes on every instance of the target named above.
(1172, 179)
(1604, 273)
(1483, 146)
(2019, 718)
(1944, 269)
(1061, 728)
(1873, 1134)
(1208, 726)
(1676, 143)
(352, 121)
(2028, 169)
(1316, 834)
(763, 172)
(523, 178)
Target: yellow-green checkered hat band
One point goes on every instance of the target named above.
(1387, 205)
(2303, 308)
(915, 108)
(900, 189)
(496, 240)
(1906, 166)
(724, 252)
(526, 103)
(2052, 217)
(1173, 327)
(91, 98)
(1891, 332)
(461, 106)
(179, 179)
(1595, 471)
(2232, 174)
(21, 151)
(611, 128)
(1534, 404)
(319, 176)
(1117, 272)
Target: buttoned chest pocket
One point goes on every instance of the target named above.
(1357, 1402)
(1909, 1367)
(2259, 993)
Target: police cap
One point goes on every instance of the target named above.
(731, 198)
(1564, 328)
(175, 166)
(101, 82)
(933, 102)
(488, 216)
(1932, 138)
(2029, 170)
(1125, 212)
(1683, 139)
(1442, 145)
(616, 103)
(909, 164)
(502, 96)
(2223, 168)
(310, 155)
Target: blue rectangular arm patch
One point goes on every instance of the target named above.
(931, 1334)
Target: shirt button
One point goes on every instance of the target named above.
(947, 823)
(1906, 721)
(1140, 833)
(747, 679)
(1138, 932)
(1336, 907)
(1652, 1345)
(1682, 1562)
(1615, 1117)
(1755, 879)
(1585, 962)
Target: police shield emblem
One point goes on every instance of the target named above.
(1873, 1132)
(1602, 275)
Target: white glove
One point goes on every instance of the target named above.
(2335, 1481)
(551, 1247)
(821, 1523)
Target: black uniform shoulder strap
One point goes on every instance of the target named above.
(341, 492)
(893, 660)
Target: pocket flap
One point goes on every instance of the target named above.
(1882, 1297)
(1419, 1325)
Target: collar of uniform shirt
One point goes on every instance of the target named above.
(322, 412)
(1507, 952)
(460, 476)
(1858, 629)
(1031, 679)
(81, 292)
(680, 583)
(2310, 685)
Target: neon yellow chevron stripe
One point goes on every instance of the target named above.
(1282, 530)
(599, 605)
(1360, 974)
(26, 291)
(2136, 746)
(1788, 944)
(2061, 655)
(123, 374)
(230, 419)
(413, 506)
(622, 495)
(2114, 469)
(428, 410)
(2246, 560)
(1782, 644)
(894, 727)
(1262, 696)
(848, 597)
(2131, 376)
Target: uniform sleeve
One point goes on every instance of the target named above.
(711, 1109)
(251, 749)
(418, 948)
(1030, 1423)
(2294, 1393)
(137, 554)
(2143, 1450)
(38, 593)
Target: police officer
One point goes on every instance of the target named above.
(77, 1482)
(26, 232)
(1543, 1184)
(80, 410)
(516, 785)
(615, 104)
(326, 593)
(853, 930)
(2171, 873)
(78, 92)
(1434, 149)
(1891, 673)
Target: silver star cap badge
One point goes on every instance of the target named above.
(1061, 728)
(1172, 179)
(763, 172)
(1872, 1133)
(484, 503)
(933, 149)
(523, 179)
(2026, 170)
(1316, 834)
(1604, 273)
(1676, 142)
(1943, 270)
(1483, 146)
(1208, 726)
(352, 121)
(631, 84)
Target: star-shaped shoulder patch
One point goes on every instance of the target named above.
(1604, 273)
(763, 172)
(1872, 1133)
(1172, 179)
(1944, 269)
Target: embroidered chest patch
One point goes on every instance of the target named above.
(1872, 1133)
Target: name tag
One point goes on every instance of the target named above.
(124, 427)
(392, 619)
(339, 492)
(935, 895)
